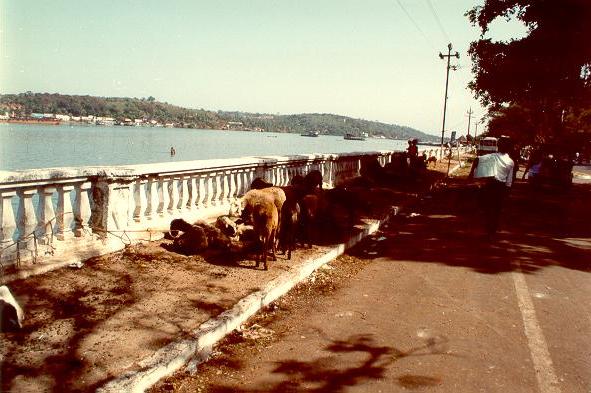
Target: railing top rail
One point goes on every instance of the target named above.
(72, 174)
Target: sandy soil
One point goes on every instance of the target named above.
(265, 329)
(85, 326)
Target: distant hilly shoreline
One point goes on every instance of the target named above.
(150, 110)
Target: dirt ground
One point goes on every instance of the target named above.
(85, 326)
(264, 329)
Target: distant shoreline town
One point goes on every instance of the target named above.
(58, 118)
(53, 109)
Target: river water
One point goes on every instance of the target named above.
(46, 146)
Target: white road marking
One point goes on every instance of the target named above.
(547, 380)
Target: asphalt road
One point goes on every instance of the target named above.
(430, 304)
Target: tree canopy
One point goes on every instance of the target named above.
(149, 109)
(544, 77)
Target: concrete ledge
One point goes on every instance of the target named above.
(173, 356)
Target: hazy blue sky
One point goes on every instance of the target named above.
(365, 59)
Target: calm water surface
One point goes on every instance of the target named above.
(45, 146)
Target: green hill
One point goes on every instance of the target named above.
(24, 104)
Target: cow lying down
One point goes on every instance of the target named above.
(190, 239)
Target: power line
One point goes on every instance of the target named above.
(416, 25)
(430, 4)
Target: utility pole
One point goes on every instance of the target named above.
(476, 131)
(469, 118)
(449, 56)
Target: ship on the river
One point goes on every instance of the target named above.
(310, 134)
(355, 137)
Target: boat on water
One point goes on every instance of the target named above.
(353, 137)
(310, 133)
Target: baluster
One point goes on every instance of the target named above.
(285, 175)
(65, 215)
(251, 176)
(7, 221)
(45, 214)
(209, 201)
(332, 164)
(184, 193)
(246, 181)
(233, 189)
(275, 174)
(193, 193)
(217, 189)
(225, 194)
(26, 220)
(163, 196)
(329, 170)
(297, 170)
(322, 168)
(151, 197)
(82, 210)
(202, 196)
(279, 176)
(140, 200)
(173, 187)
(212, 192)
(221, 190)
(290, 172)
(239, 182)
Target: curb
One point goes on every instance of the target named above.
(173, 356)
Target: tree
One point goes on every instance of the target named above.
(547, 73)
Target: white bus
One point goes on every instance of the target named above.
(487, 145)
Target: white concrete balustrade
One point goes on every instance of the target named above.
(70, 214)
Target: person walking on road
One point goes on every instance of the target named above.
(497, 171)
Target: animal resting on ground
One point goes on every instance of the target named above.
(196, 237)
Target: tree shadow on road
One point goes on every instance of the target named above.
(446, 227)
(332, 374)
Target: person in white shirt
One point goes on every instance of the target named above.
(497, 171)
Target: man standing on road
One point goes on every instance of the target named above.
(497, 171)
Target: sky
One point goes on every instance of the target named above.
(370, 59)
